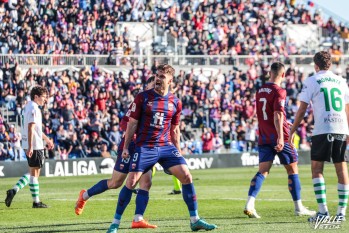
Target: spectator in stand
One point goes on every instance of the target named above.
(217, 143)
(15, 139)
(207, 140)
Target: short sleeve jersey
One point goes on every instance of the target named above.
(328, 94)
(32, 114)
(155, 114)
(269, 99)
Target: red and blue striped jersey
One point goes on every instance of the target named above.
(155, 115)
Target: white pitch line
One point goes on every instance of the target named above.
(224, 199)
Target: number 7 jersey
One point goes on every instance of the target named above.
(155, 115)
(329, 94)
(270, 98)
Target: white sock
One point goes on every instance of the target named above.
(116, 221)
(85, 196)
(343, 192)
(250, 203)
(34, 188)
(138, 218)
(194, 219)
(298, 205)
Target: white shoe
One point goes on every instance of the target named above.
(304, 211)
(251, 213)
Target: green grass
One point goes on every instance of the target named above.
(221, 197)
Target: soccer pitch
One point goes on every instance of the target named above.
(221, 197)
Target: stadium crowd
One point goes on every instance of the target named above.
(226, 27)
(85, 106)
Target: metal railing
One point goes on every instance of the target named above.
(47, 61)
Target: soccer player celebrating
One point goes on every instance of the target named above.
(119, 175)
(329, 95)
(273, 136)
(155, 114)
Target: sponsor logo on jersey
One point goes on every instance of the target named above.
(150, 104)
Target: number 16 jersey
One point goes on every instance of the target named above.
(269, 99)
(329, 94)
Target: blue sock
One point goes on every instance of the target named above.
(256, 184)
(98, 188)
(189, 197)
(141, 201)
(125, 196)
(294, 185)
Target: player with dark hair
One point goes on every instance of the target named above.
(32, 143)
(329, 95)
(273, 136)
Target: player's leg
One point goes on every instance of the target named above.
(119, 175)
(266, 157)
(141, 161)
(35, 165)
(142, 201)
(177, 186)
(321, 150)
(115, 182)
(343, 187)
(338, 158)
(21, 183)
(289, 158)
(171, 160)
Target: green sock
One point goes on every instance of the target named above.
(343, 193)
(34, 188)
(320, 193)
(177, 184)
(22, 182)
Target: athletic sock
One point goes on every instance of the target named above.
(34, 188)
(255, 187)
(176, 184)
(98, 188)
(22, 182)
(141, 204)
(189, 197)
(343, 193)
(320, 193)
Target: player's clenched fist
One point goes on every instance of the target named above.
(125, 154)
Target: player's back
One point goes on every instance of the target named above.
(329, 94)
(270, 98)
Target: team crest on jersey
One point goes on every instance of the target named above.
(170, 107)
(134, 166)
(282, 103)
(150, 104)
(121, 166)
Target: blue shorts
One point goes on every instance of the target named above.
(287, 156)
(123, 165)
(145, 158)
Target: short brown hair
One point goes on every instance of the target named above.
(39, 91)
(323, 60)
(277, 67)
(167, 69)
